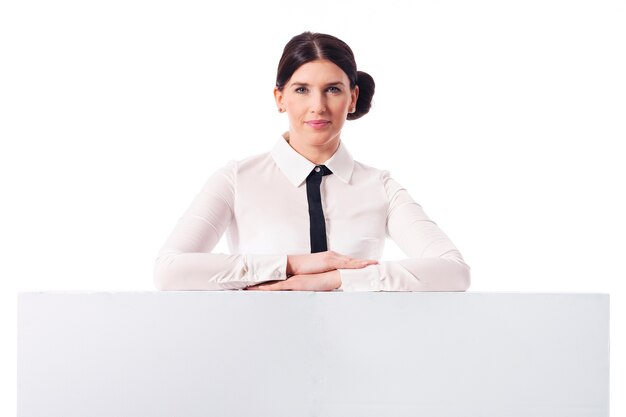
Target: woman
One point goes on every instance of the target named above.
(306, 216)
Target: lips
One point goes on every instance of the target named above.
(318, 124)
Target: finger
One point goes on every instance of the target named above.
(359, 263)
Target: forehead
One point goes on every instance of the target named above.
(320, 71)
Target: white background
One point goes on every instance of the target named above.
(502, 119)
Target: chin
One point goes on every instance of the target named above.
(322, 134)
(321, 138)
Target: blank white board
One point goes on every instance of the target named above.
(240, 353)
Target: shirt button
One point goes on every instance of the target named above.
(318, 169)
(276, 273)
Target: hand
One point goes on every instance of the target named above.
(325, 281)
(313, 263)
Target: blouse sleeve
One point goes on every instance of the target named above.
(184, 262)
(433, 263)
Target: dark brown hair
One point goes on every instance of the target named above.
(308, 47)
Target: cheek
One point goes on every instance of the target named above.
(295, 107)
(343, 103)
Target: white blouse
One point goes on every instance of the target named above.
(261, 204)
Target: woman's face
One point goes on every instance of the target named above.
(317, 99)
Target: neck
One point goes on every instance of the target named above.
(318, 154)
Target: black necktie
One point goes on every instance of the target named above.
(316, 214)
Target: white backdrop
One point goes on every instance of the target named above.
(502, 119)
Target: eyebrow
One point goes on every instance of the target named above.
(307, 85)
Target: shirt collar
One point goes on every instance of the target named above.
(296, 167)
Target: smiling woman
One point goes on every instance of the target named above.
(305, 215)
(317, 99)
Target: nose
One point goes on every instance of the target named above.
(318, 103)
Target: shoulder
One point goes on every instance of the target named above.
(362, 170)
(250, 163)
(236, 166)
(223, 180)
(383, 177)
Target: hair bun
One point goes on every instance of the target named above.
(366, 93)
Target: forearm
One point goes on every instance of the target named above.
(324, 281)
(209, 271)
(427, 274)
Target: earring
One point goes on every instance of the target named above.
(281, 110)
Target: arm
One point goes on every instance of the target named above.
(314, 272)
(185, 262)
(433, 263)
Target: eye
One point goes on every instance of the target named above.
(301, 90)
(334, 89)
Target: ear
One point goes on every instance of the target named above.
(278, 96)
(355, 96)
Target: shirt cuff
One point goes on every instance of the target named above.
(261, 268)
(362, 279)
